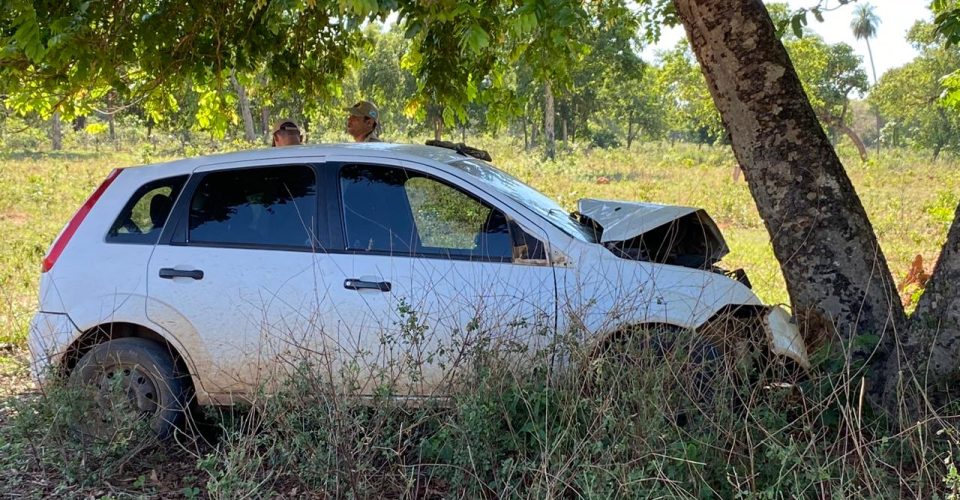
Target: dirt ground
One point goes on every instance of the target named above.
(160, 473)
(15, 382)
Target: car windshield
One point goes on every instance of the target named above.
(526, 195)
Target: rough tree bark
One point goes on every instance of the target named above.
(549, 135)
(834, 268)
(929, 353)
(248, 134)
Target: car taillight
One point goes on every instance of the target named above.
(64, 238)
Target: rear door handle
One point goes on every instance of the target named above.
(170, 273)
(355, 284)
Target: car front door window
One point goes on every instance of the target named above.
(400, 212)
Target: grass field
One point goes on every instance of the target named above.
(909, 199)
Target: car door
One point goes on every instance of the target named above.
(236, 277)
(433, 273)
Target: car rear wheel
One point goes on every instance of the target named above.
(130, 384)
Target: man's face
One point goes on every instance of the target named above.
(358, 125)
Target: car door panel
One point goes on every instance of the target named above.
(259, 292)
(439, 311)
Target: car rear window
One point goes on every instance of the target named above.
(144, 215)
(271, 206)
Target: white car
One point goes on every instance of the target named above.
(200, 278)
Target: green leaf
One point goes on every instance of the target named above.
(477, 38)
(27, 35)
(449, 116)
(471, 90)
(797, 24)
(413, 29)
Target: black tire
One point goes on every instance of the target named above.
(693, 363)
(131, 375)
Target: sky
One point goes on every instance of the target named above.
(890, 49)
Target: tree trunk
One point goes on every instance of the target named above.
(855, 139)
(526, 141)
(573, 123)
(548, 125)
(835, 271)
(437, 127)
(265, 122)
(876, 112)
(629, 133)
(56, 132)
(111, 125)
(248, 133)
(850, 133)
(534, 130)
(930, 352)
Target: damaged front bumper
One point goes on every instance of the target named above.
(784, 336)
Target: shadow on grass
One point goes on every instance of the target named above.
(47, 155)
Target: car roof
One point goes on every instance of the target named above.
(373, 149)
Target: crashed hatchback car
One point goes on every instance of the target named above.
(199, 278)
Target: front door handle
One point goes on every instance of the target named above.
(355, 284)
(170, 273)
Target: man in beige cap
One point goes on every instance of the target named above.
(286, 133)
(363, 123)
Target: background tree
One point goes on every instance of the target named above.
(692, 114)
(911, 95)
(829, 74)
(864, 26)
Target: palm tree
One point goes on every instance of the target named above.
(864, 26)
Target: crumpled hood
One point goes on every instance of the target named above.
(685, 230)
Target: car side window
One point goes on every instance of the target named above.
(271, 206)
(144, 215)
(397, 211)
